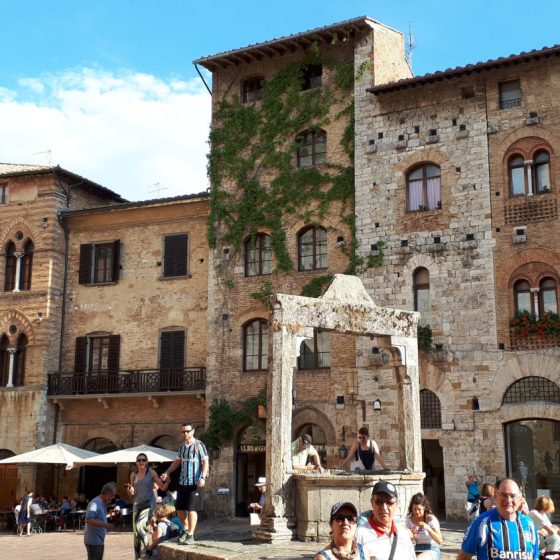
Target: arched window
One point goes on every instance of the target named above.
(522, 295)
(315, 353)
(532, 388)
(10, 268)
(541, 172)
(26, 265)
(421, 285)
(4, 361)
(548, 302)
(255, 345)
(430, 410)
(423, 188)
(258, 255)
(518, 185)
(252, 89)
(312, 249)
(19, 361)
(311, 148)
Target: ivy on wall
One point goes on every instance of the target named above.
(255, 181)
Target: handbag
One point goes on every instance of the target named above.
(254, 519)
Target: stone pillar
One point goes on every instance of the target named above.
(411, 441)
(535, 296)
(18, 271)
(529, 175)
(12, 352)
(280, 495)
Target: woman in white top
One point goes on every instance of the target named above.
(549, 534)
(424, 527)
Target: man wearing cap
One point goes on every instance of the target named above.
(301, 451)
(261, 485)
(377, 531)
(502, 532)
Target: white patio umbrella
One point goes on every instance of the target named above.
(56, 454)
(128, 455)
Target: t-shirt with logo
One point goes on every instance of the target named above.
(490, 536)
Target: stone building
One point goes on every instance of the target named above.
(457, 181)
(282, 215)
(33, 265)
(134, 349)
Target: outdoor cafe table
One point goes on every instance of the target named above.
(77, 515)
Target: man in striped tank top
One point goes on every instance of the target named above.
(502, 532)
(193, 458)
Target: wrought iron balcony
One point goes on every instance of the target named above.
(127, 381)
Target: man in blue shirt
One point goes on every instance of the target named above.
(502, 532)
(193, 458)
(96, 524)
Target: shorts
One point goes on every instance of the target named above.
(432, 549)
(189, 498)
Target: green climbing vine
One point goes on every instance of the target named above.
(227, 416)
(251, 166)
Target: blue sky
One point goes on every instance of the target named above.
(107, 89)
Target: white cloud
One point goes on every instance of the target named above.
(126, 131)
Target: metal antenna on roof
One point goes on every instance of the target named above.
(48, 154)
(410, 46)
(157, 189)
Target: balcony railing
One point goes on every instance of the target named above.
(127, 381)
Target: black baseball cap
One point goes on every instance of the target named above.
(306, 439)
(340, 505)
(384, 487)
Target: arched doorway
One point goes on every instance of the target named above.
(250, 465)
(533, 456)
(8, 482)
(93, 477)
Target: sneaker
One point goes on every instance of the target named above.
(186, 538)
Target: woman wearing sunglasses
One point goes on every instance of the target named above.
(344, 517)
(364, 451)
(141, 488)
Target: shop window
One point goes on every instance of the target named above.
(312, 249)
(315, 353)
(99, 262)
(312, 148)
(430, 410)
(255, 345)
(510, 94)
(532, 388)
(423, 188)
(258, 255)
(252, 89)
(421, 286)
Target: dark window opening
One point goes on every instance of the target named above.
(311, 148)
(532, 388)
(312, 76)
(430, 410)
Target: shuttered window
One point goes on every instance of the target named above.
(99, 262)
(175, 253)
(96, 354)
(172, 350)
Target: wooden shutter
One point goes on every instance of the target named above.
(116, 260)
(80, 356)
(114, 353)
(84, 274)
(175, 255)
(172, 350)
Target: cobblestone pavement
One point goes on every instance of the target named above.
(215, 540)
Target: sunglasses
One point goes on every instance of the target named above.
(142, 460)
(188, 431)
(341, 518)
(379, 502)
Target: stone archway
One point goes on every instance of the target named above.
(345, 308)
